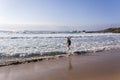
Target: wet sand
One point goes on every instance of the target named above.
(92, 66)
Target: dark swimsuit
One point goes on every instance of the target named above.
(69, 42)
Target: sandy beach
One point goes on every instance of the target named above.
(92, 66)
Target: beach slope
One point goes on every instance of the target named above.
(92, 66)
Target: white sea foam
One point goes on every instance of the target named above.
(21, 44)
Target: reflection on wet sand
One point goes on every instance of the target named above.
(70, 67)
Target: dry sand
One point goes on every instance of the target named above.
(93, 66)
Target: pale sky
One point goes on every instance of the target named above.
(58, 14)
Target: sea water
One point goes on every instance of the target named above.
(36, 43)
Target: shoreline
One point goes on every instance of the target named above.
(41, 58)
(29, 60)
(94, 66)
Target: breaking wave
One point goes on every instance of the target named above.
(29, 44)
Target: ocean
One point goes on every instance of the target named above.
(24, 44)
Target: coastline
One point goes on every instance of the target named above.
(93, 66)
(47, 57)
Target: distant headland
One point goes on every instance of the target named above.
(108, 30)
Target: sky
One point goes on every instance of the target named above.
(58, 14)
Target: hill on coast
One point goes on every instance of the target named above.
(108, 30)
(111, 30)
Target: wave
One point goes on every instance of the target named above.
(63, 35)
(36, 32)
(36, 54)
(16, 46)
(20, 58)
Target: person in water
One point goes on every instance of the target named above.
(68, 42)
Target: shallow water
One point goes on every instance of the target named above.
(23, 44)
